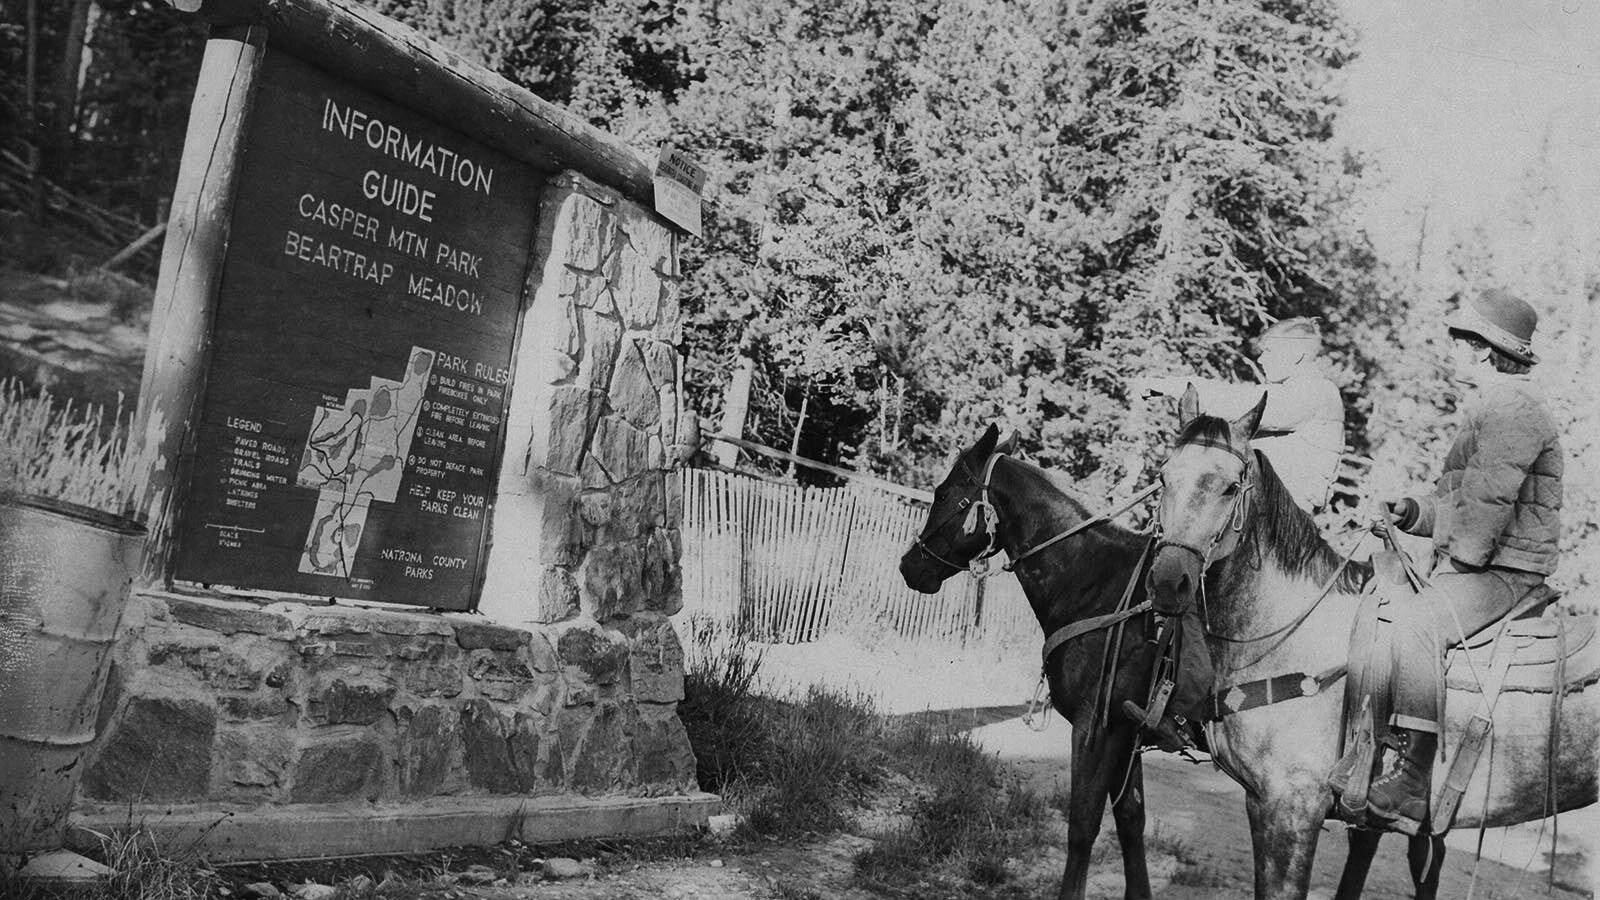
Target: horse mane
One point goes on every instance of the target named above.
(1280, 527)
(1062, 485)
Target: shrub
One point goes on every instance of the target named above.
(826, 751)
(724, 717)
(790, 766)
(974, 819)
(802, 764)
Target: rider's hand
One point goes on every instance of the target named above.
(1401, 513)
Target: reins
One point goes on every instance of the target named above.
(1227, 700)
(982, 513)
(1238, 518)
(1297, 621)
(1086, 523)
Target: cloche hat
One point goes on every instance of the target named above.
(1503, 319)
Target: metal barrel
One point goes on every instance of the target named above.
(65, 571)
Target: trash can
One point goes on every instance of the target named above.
(65, 571)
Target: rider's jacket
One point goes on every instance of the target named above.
(1498, 500)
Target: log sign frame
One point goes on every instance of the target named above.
(351, 420)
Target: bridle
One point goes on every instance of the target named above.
(983, 514)
(1238, 513)
(980, 514)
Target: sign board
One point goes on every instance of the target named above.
(350, 433)
(678, 182)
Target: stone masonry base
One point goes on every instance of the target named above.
(310, 831)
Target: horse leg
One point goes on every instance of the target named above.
(1363, 846)
(1127, 809)
(1084, 808)
(1426, 855)
(1283, 833)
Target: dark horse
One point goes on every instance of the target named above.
(1234, 545)
(991, 502)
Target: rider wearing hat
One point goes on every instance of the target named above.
(1302, 427)
(1495, 519)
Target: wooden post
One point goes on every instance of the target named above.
(186, 290)
(735, 407)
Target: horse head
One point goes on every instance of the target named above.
(1206, 487)
(962, 524)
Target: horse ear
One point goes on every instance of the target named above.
(985, 444)
(1188, 406)
(1007, 443)
(1244, 427)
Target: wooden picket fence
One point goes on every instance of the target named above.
(780, 563)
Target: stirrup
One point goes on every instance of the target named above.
(1402, 824)
(1166, 733)
(1039, 706)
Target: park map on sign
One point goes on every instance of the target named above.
(354, 455)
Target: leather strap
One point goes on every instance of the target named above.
(1086, 523)
(1267, 691)
(1094, 623)
(1122, 613)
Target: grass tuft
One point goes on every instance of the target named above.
(974, 820)
(63, 451)
(789, 766)
(140, 871)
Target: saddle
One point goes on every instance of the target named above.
(1545, 650)
(1535, 648)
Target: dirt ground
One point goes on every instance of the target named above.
(1198, 840)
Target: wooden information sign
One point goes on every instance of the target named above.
(349, 437)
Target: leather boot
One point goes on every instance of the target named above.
(1401, 792)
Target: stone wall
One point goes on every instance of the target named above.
(567, 684)
(587, 511)
(234, 702)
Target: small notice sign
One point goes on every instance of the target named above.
(678, 181)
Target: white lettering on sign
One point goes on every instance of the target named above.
(398, 194)
(446, 295)
(338, 216)
(392, 141)
(357, 265)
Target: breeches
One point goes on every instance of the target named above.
(1455, 605)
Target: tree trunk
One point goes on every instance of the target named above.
(799, 426)
(64, 108)
(31, 111)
